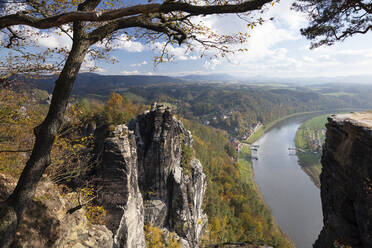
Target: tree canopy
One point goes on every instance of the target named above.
(335, 20)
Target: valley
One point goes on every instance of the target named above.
(185, 124)
(225, 120)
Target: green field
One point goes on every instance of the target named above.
(306, 139)
(245, 166)
(339, 94)
(316, 122)
(266, 127)
(256, 135)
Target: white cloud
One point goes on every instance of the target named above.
(211, 64)
(179, 53)
(123, 42)
(2, 38)
(130, 72)
(12, 7)
(100, 70)
(264, 38)
(54, 40)
(139, 64)
(88, 64)
(277, 48)
(283, 14)
(264, 41)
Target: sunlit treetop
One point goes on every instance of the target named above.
(335, 20)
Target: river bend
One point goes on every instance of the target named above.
(287, 190)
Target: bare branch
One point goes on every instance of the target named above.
(12, 37)
(22, 18)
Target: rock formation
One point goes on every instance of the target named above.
(46, 223)
(346, 188)
(154, 156)
(118, 186)
(173, 185)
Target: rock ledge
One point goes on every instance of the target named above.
(346, 187)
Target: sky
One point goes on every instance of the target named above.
(275, 49)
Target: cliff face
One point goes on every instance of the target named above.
(346, 188)
(172, 181)
(153, 156)
(118, 186)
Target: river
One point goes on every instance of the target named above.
(287, 190)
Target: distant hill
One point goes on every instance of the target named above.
(306, 81)
(209, 77)
(92, 83)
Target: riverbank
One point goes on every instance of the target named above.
(265, 127)
(278, 237)
(287, 190)
(309, 140)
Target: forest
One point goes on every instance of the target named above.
(233, 204)
(234, 207)
(233, 107)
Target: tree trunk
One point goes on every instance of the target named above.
(12, 210)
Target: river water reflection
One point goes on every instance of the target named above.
(287, 190)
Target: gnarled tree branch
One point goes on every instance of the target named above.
(22, 18)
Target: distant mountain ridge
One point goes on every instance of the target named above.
(209, 77)
(91, 83)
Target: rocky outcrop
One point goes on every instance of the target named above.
(171, 179)
(346, 188)
(47, 223)
(153, 156)
(117, 186)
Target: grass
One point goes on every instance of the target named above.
(310, 161)
(268, 126)
(246, 169)
(134, 98)
(300, 139)
(246, 172)
(339, 94)
(316, 122)
(256, 135)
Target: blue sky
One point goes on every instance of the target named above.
(275, 49)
